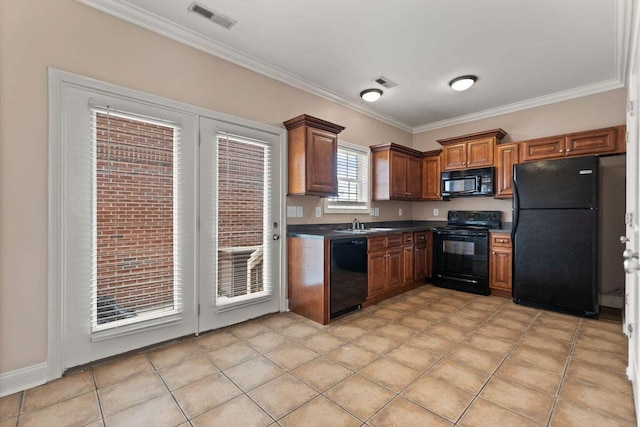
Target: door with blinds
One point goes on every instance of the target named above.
(239, 224)
(153, 235)
(127, 234)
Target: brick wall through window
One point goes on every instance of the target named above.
(134, 212)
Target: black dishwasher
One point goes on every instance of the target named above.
(348, 288)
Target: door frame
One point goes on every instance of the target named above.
(56, 275)
(212, 316)
(632, 280)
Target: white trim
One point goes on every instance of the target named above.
(344, 208)
(23, 378)
(166, 28)
(525, 105)
(55, 215)
(58, 79)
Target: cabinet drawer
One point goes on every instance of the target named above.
(377, 243)
(407, 239)
(394, 240)
(501, 240)
(420, 236)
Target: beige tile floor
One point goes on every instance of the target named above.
(429, 357)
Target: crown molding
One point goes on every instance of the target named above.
(524, 105)
(137, 16)
(166, 28)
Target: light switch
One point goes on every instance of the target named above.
(291, 212)
(399, 211)
(299, 212)
(436, 212)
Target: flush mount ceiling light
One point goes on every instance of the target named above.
(462, 83)
(371, 95)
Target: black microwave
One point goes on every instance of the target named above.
(470, 182)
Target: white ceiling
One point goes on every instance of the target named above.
(524, 52)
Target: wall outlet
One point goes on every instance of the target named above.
(291, 212)
(436, 211)
(376, 212)
(399, 211)
(318, 211)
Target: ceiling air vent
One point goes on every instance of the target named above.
(216, 17)
(383, 81)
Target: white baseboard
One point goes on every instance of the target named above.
(612, 300)
(22, 379)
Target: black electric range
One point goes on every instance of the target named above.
(461, 251)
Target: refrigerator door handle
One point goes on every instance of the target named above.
(516, 205)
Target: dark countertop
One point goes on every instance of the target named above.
(328, 231)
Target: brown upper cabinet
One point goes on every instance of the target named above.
(431, 168)
(600, 141)
(506, 156)
(396, 172)
(313, 156)
(474, 150)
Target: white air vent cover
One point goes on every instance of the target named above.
(216, 17)
(383, 81)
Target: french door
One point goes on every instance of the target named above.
(239, 223)
(632, 217)
(156, 235)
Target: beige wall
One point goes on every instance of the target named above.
(67, 35)
(590, 112)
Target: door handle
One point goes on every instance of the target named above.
(630, 261)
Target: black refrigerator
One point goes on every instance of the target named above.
(555, 235)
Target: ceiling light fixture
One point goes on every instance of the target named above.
(462, 83)
(371, 95)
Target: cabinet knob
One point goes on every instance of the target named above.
(561, 151)
(493, 253)
(568, 149)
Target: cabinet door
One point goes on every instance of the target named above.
(480, 153)
(595, 142)
(455, 156)
(408, 263)
(506, 156)
(420, 263)
(414, 178)
(377, 272)
(398, 175)
(322, 157)
(395, 268)
(543, 148)
(501, 268)
(431, 178)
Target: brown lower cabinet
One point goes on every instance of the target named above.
(385, 266)
(397, 262)
(308, 273)
(500, 263)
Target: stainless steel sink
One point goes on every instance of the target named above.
(380, 229)
(358, 231)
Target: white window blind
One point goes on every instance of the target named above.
(135, 257)
(353, 180)
(244, 192)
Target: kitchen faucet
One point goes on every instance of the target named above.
(355, 224)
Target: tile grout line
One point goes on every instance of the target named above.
(95, 385)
